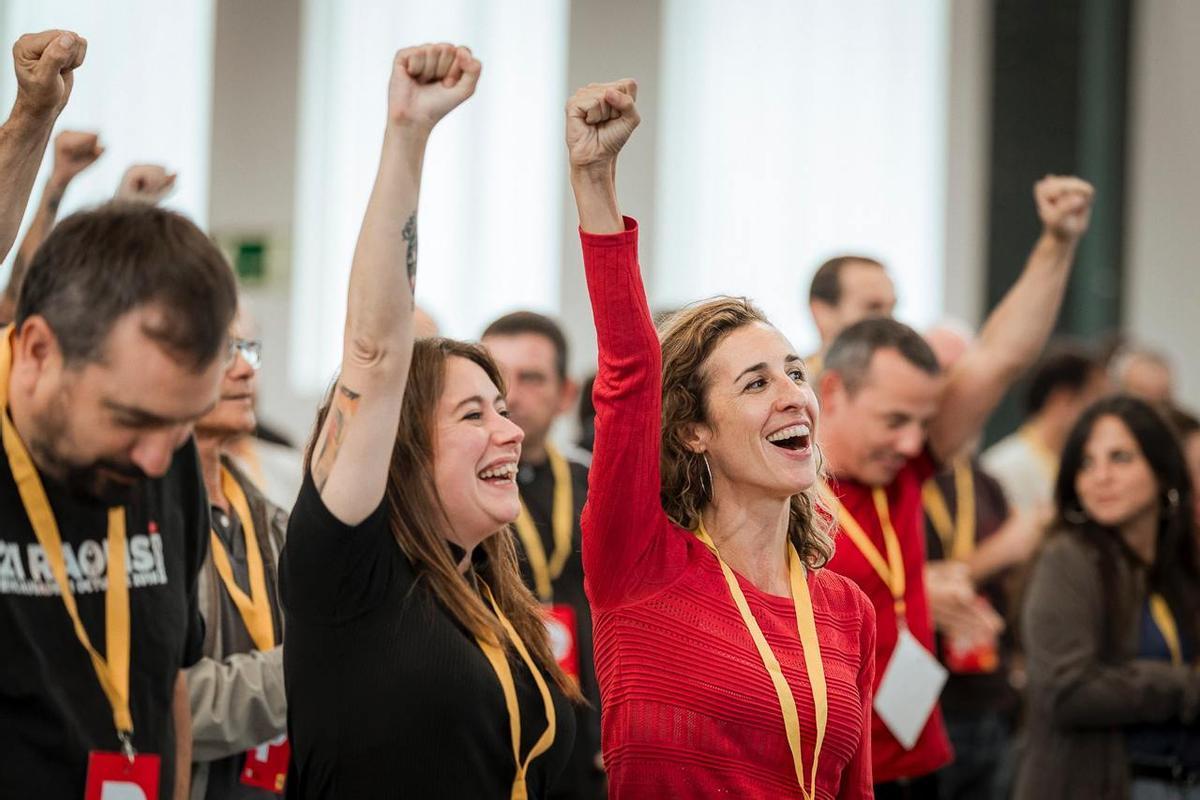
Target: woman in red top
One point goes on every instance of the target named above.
(730, 664)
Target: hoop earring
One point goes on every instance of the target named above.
(1173, 499)
(712, 487)
(820, 459)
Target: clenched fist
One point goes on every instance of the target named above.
(1064, 205)
(145, 183)
(429, 81)
(45, 64)
(600, 119)
(74, 151)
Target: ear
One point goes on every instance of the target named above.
(696, 436)
(831, 390)
(35, 346)
(825, 318)
(568, 395)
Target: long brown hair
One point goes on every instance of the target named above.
(418, 519)
(688, 337)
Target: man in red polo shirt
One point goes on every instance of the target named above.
(889, 417)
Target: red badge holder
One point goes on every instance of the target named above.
(122, 776)
(564, 640)
(266, 766)
(971, 659)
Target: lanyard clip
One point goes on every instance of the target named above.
(126, 738)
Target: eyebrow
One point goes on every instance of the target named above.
(144, 417)
(790, 358)
(476, 398)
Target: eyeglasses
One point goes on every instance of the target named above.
(249, 349)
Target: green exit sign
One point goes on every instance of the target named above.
(250, 260)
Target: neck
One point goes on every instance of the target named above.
(1049, 431)
(751, 536)
(1141, 534)
(533, 452)
(209, 449)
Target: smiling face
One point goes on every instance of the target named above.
(476, 450)
(761, 412)
(104, 425)
(1115, 482)
(877, 428)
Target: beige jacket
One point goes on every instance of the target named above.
(237, 700)
(1078, 699)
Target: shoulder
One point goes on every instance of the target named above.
(1066, 556)
(839, 594)
(1004, 452)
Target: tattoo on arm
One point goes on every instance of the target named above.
(345, 404)
(410, 257)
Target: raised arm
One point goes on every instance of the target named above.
(74, 151)
(45, 64)
(145, 183)
(623, 512)
(1016, 331)
(354, 447)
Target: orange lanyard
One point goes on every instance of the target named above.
(112, 669)
(1160, 612)
(563, 522)
(807, 627)
(495, 655)
(890, 571)
(958, 538)
(255, 609)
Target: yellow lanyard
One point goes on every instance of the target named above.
(255, 609)
(891, 571)
(112, 669)
(495, 655)
(563, 523)
(958, 539)
(1044, 455)
(807, 627)
(1160, 612)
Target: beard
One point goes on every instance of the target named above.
(101, 481)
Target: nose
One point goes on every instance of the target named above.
(911, 441)
(507, 432)
(791, 396)
(153, 452)
(240, 369)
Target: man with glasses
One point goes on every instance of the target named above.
(239, 715)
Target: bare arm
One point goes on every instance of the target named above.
(354, 447)
(1016, 331)
(45, 64)
(74, 151)
(182, 715)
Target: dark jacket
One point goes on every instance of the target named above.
(1079, 697)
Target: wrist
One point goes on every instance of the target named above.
(1058, 239)
(58, 182)
(596, 173)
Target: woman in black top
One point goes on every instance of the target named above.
(1111, 623)
(417, 662)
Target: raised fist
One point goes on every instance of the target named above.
(74, 151)
(145, 183)
(45, 64)
(429, 81)
(600, 119)
(1064, 205)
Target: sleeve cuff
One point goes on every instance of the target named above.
(625, 238)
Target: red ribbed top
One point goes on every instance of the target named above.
(688, 707)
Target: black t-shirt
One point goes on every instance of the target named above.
(52, 708)
(387, 695)
(581, 779)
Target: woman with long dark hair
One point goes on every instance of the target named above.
(730, 662)
(1111, 622)
(417, 663)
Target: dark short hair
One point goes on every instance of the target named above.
(1184, 422)
(98, 265)
(851, 352)
(519, 322)
(826, 283)
(1065, 367)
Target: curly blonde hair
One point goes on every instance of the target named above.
(688, 337)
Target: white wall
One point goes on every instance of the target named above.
(1163, 270)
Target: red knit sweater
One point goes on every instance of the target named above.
(688, 708)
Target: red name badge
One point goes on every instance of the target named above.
(266, 766)
(113, 776)
(560, 623)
